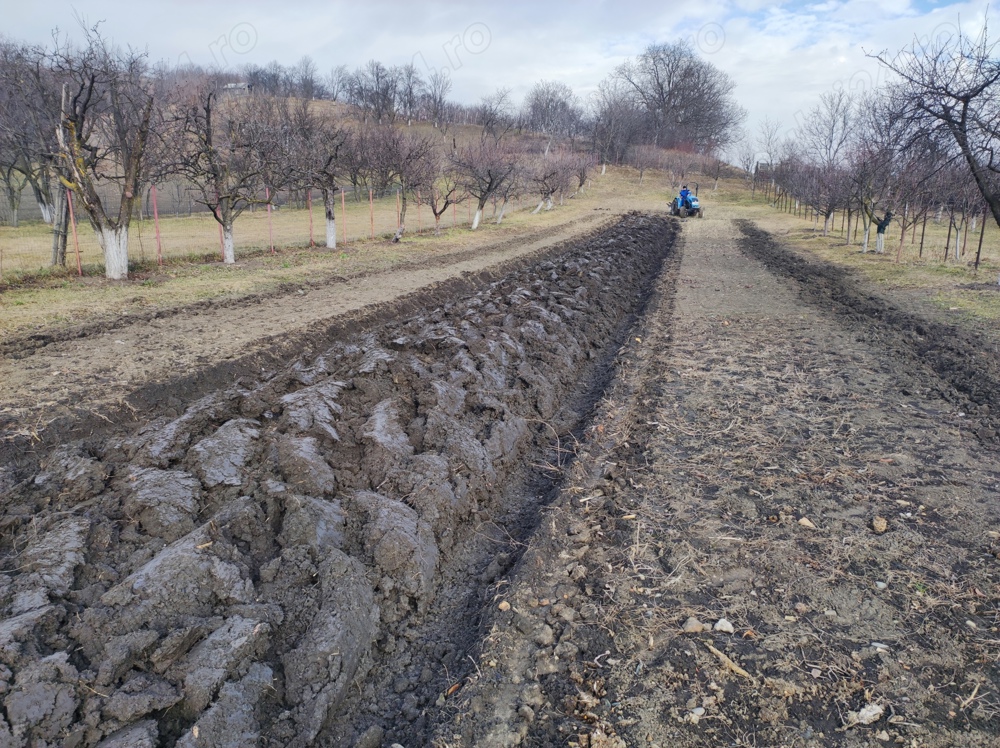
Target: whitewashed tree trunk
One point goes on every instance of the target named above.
(879, 242)
(539, 208)
(330, 206)
(604, 169)
(44, 201)
(331, 233)
(548, 203)
(228, 249)
(503, 209)
(958, 232)
(864, 243)
(475, 218)
(114, 243)
(826, 225)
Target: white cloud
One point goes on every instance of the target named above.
(781, 55)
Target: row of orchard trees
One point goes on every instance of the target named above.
(100, 121)
(924, 144)
(101, 124)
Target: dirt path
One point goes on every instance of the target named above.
(778, 533)
(90, 369)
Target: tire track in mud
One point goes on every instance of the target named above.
(271, 563)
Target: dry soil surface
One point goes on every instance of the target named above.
(781, 529)
(624, 491)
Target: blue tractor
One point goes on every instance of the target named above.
(686, 204)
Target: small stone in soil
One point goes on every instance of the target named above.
(725, 626)
(693, 626)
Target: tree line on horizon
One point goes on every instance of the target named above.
(101, 123)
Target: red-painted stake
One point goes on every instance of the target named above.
(309, 206)
(343, 215)
(222, 246)
(270, 226)
(156, 222)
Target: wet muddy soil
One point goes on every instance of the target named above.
(640, 490)
(300, 556)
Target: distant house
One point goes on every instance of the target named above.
(238, 89)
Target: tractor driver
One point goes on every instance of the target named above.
(685, 195)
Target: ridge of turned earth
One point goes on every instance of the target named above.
(296, 555)
(66, 381)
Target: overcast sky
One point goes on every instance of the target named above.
(782, 55)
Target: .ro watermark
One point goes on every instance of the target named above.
(474, 40)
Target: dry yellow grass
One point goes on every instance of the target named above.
(947, 283)
(62, 299)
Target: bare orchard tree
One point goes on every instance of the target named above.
(688, 101)
(354, 162)
(872, 160)
(951, 84)
(411, 159)
(337, 82)
(746, 157)
(512, 189)
(14, 182)
(436, 97)
(445, 191)
(29, 116)
(617, 122)
(375, 90)
(551, 109)
(495, 113)
(110, 114)
(232, 149)
(411, 91)
(319, 147)
(548, 175)
(648, 157)
(823, 137)
(483, 169)
(768, 144)
(581, 164)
